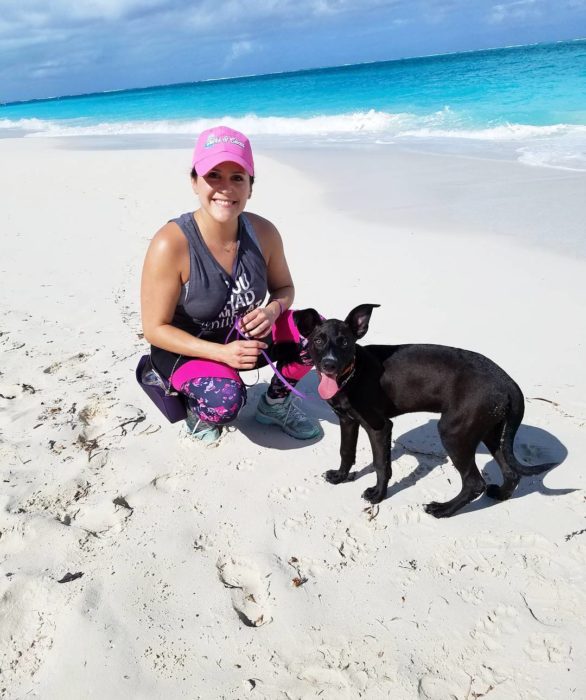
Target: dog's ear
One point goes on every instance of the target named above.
(358, 319)
(306, 320)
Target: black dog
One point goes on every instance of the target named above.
(366, 386)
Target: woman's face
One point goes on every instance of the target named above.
(224, 191)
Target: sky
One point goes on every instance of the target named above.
(65, 47)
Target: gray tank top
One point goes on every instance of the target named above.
(211, 300)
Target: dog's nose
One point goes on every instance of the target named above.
(328, 366)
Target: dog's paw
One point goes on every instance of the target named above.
(496, 492)
(335, 476)
(438, 510)
(373, 495)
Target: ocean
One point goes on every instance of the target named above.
(529, 99)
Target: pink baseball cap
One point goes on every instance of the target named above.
(219, 145)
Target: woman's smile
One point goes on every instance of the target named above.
(224, 203)
(224, 191)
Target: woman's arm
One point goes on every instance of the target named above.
(160, 291)
(258, 322)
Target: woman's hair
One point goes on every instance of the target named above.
(194, 176)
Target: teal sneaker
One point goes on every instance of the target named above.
(206, 433)
(288, 416)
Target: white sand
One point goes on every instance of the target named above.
(490, 603)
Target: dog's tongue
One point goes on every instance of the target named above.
(327, 387)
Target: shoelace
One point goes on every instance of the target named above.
(224, 429)
(193, 431)
(296, 411)
(236, 327)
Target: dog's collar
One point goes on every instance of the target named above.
(345, 381)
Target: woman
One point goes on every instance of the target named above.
(205, 277)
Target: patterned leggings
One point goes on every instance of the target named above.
(215, 399)
(216, 393)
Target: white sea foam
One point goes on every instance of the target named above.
(23, 125)
(565, 151)
(504, 132)
(558, 145)
(358, 122)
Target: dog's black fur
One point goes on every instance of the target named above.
(477, 400)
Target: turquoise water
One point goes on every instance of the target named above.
(528, 94)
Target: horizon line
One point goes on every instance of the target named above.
(284, 72)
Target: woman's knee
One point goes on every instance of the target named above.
(215, 400)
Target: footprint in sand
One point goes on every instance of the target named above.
(341, 670)
(248, 590)
(103, 516)
(72, 362)
(26, 630)
(297, 569)
(408, 515)
(104, 426)
(483, 555)
(60, 499)
(289, 493)
(128, 311)
(356, 545)
(203, 542)
(548, 647)
(473, 595)
(436, 688)
(298, 524)
(493, 629)
(293, 525)
(172, 482)
(246, 465)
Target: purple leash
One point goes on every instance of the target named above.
(236, 327)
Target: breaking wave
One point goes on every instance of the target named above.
(558, 145)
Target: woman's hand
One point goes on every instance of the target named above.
(242, 354)
(258, 323)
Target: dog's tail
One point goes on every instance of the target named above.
(510, 427)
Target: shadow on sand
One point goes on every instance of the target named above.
(533, 446)
(271, 435)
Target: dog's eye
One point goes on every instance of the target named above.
(318, 342)
(343, 342)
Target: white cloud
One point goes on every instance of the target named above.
(241, 48)
(339, 7)
(330, 7)
(48, 69)
(37, 12)
(516, 10)
(438, 11)
(22, 16)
